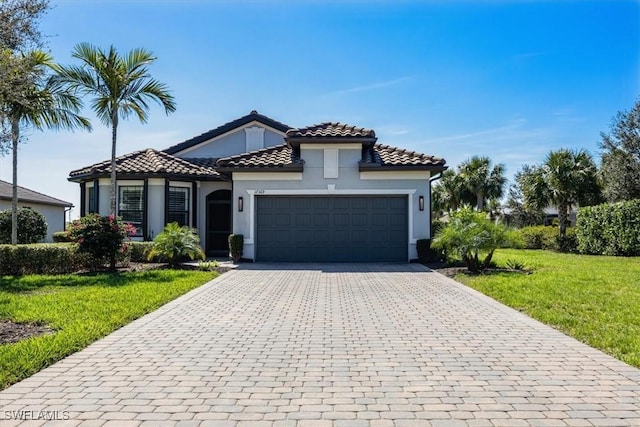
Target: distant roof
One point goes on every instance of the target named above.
(273, 158)
(150, 162)
(26, 195)
(252, 116)
(331, 130)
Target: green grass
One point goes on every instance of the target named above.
(595, 299)
(81, 309)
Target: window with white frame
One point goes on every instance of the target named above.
(178, 209)
(131, 205)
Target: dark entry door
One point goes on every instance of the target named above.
(332, 229)
(218, 222)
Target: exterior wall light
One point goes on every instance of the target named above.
(421, 203)
(240, 204)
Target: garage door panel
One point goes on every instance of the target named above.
(331, 229)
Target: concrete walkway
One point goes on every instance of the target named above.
(331, 345)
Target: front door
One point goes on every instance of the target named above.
(218, 222)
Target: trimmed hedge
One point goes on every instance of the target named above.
(609, 229)
(548, 237)
(428, 254)
(539, 237)
(39, 258)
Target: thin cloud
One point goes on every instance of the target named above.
(512, 132)
(370, 87)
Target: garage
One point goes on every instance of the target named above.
(332, 229)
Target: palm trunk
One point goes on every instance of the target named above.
(114, 182)
(562, 217)
(15, 137)
(480, 201)
(114, 133)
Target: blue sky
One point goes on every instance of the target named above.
(507, 79)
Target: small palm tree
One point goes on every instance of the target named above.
(44, 103)
(485, 182)
(565, 179)
(175, 244)
(120, 86)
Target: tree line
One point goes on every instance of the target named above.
(565, 179)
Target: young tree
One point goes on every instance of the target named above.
(43, 104)
(620, 171)
(485, 182)
(120, 86)
(566, 178)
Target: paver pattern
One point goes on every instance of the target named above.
(332, 345)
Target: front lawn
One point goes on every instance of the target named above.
(80, 309)
(595, 299)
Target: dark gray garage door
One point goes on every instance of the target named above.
(331, 229)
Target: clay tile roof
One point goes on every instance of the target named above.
(149, 162)
(27, 195)
(252, 116)
(278, 157)
(388, 156)
(331, 130)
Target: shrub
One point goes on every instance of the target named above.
(539, 237)
(426, 253)
(236, 246)
(175, 244)
(609, 229)
(32, 226)
(101, 238)
(568, 242)
(139, 251)
(208, 265)
(469, 232)
(62, 237)
(41, 258)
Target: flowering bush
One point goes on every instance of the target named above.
(102, 238)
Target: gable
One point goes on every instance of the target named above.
(228, 143)
(252, 136)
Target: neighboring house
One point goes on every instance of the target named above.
(54, 210)
(327, 192)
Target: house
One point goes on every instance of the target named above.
(327, 192)
(54, 210)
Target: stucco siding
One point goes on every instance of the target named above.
(229, 145)
(155, 215)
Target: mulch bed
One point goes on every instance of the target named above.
(451, 271)
(11, 332)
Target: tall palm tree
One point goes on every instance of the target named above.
(44, 103)
(565, 179)
(485, 182)
(449, 193)
(119, 86)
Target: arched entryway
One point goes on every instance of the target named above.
(218, 222)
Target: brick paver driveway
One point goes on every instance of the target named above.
(332, 345)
